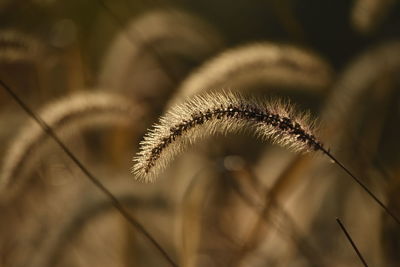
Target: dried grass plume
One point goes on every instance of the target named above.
(221, 113)
(162, 33)
(258, 63)
(67, 115)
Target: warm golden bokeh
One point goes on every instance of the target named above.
(100, 73)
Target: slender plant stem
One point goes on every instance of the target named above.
(294, 234)
(270, 202)
(115, 202)
(351, 242)
(363, 186)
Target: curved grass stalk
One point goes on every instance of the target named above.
(151, 52)
(232, 185)
(224, 113)
(220, 113)
(161, 33)
(113, 200)
(286, 227)
(360, 79)
(258, 64)
(86, 211)
(367, 15)
(354, 82)
(66, 116)
(271, 198)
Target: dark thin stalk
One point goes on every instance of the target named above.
(115, 202)
(351, 242)
(293, 234)
(363, 186)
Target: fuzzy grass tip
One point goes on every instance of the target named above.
(221, 113)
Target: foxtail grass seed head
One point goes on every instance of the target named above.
(220, 113)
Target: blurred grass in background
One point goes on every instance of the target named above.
(230, 201)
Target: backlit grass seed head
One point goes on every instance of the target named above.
(220, 113)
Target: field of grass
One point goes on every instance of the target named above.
(199, 133)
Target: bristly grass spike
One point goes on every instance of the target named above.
(227, 112)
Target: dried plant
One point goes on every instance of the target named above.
(86, 211)
(355, 81)
(215, 198)
(265, 64)
(225, 113)
(221, 113)
(158, 56)
(158, 34)
(47, 129)
(66, 116)
(342, 107)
